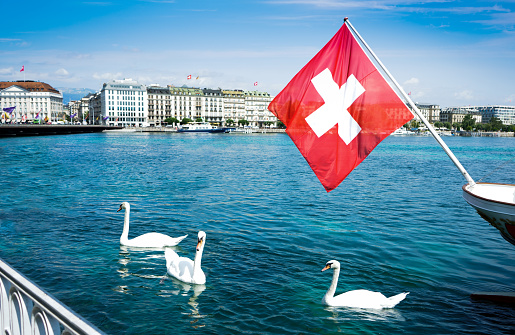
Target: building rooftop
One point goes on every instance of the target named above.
(32, 86)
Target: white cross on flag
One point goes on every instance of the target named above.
(338, 108)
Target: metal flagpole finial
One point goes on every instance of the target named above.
(345, 19)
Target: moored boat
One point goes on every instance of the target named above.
(402, 132)
(199, 127)
(496, 204)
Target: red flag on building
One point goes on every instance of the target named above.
(189, 77)
(338, 108)
(22, 68)
(255, 84)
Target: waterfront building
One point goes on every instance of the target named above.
(186, 102)
(122, 103)
(430, 111)
(256, 109)
(94, 113)
(213, 106)
(159, 105)
(234, 105)
(32, 99)
(128, 104)
(505, 113)
(73, 107)
(457, 114)
(79, 108)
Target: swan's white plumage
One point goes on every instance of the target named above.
(357, 298)
(149, 240)
(183, 268)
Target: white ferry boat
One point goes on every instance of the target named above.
(402, 132)
(199, 127)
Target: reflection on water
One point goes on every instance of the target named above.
(339, 314)
(147, 263)
(264, 209)
(144, 263)
(191, 290)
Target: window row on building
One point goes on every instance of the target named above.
(34, 101)
(128, 103)
(152, 105)
(481, 114)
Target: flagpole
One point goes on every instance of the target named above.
(415, 109)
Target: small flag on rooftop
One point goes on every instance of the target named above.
(255, 84)
(189, 77)
(22, 68)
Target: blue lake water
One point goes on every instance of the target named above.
(397, 223)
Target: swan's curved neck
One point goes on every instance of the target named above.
(198, 260)
(334, 283)
(125, 232)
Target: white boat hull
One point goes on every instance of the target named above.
(496, 204)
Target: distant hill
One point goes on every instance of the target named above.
(70, 94)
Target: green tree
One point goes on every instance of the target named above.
(199, 119)
(229, 122)
(171, 120)
(185, 120)
(243, 122)
(456, 125)
(495, 123)
(280, 125)
(413, 124)
(447, 125)
(438, 124)
(468, 123)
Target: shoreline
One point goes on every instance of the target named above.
(17, 130)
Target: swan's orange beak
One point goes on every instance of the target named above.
(119, 209)
(199, 244)
(328, 266)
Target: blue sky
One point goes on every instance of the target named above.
(451, 53)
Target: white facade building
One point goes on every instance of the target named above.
(457, 114)
(159, 105)
(186, 102)
(123, 103)
(256, 109)
(429, 111)
(213, 106)
(505, 113)
(34, 101)
(234, 105)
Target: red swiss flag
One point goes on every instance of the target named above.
(338, 108)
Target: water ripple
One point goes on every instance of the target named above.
(270, 229)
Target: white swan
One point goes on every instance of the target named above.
(149, 240)
(357, 298)
(184, 268)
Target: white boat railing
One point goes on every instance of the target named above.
(27, 309)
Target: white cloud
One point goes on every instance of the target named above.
(62, 72)
(412, 81)
(510, 99)
(7, 70)
(108, 76)
(464, 95)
